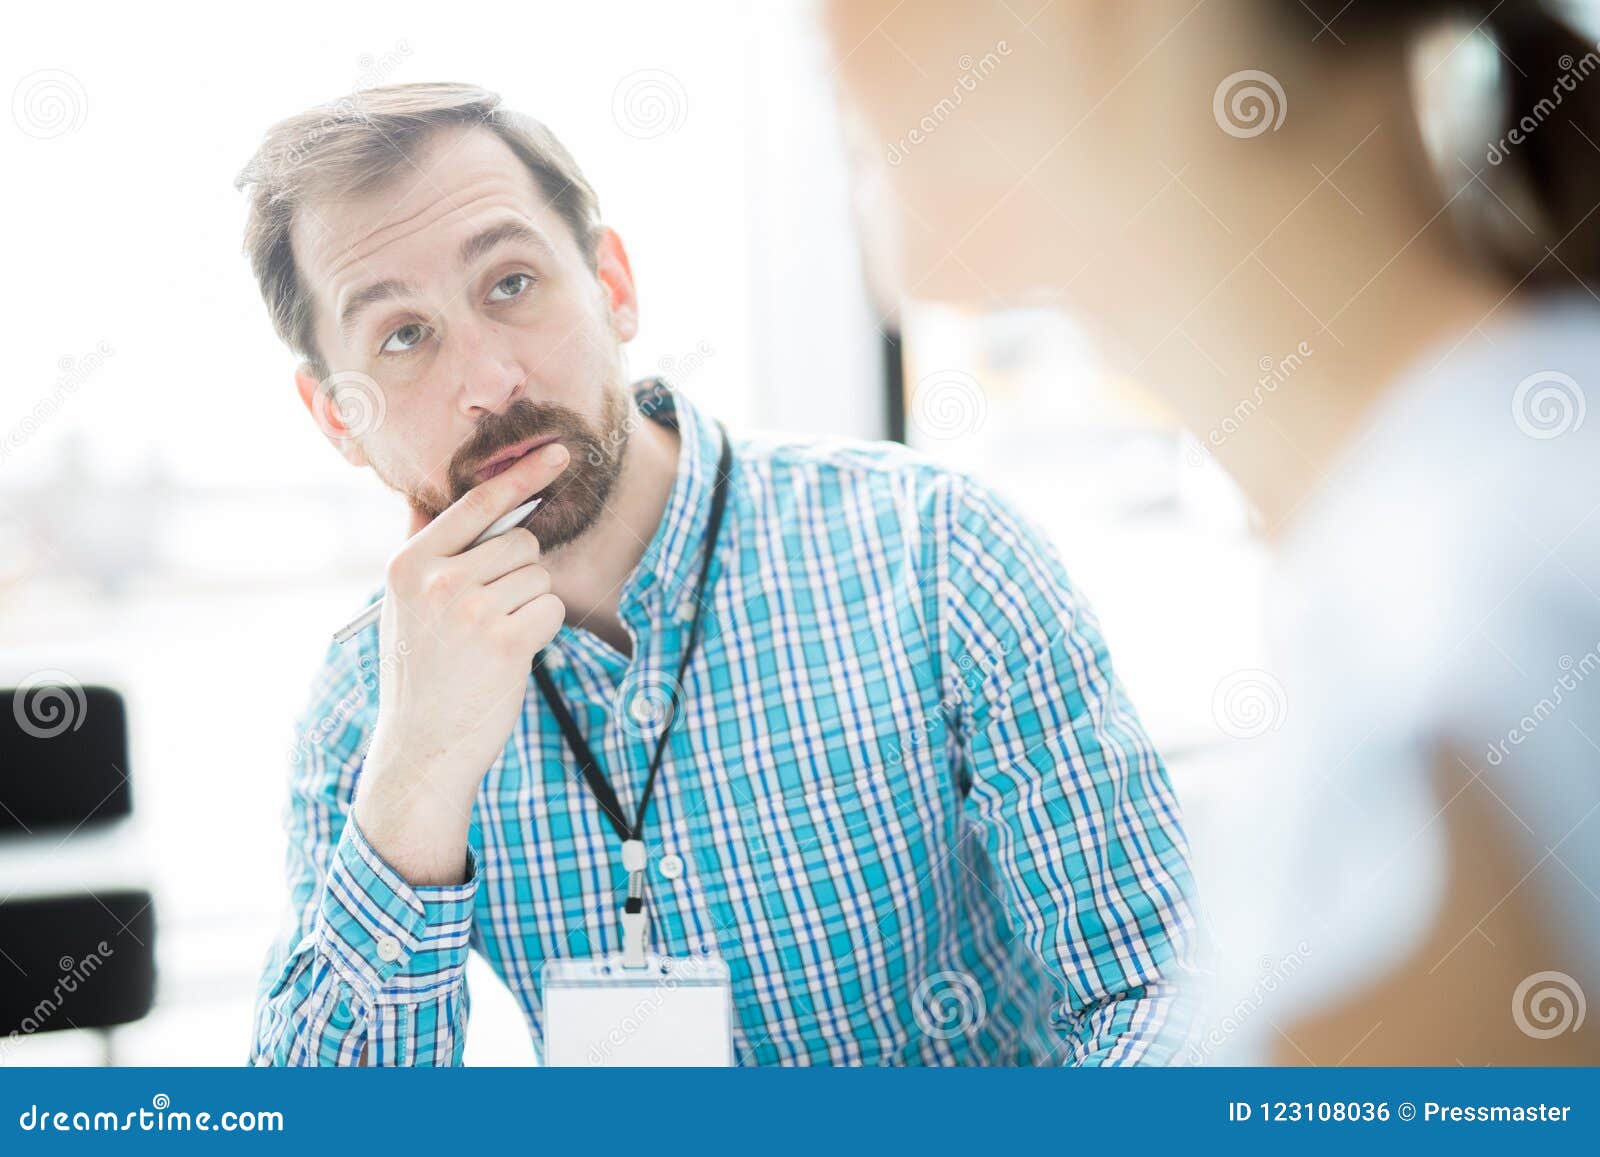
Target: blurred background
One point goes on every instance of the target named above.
(172, 527)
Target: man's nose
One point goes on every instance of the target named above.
(488, 370)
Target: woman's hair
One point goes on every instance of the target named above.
(1548, 139)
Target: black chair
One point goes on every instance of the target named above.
(77, 936)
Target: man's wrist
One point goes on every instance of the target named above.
(425, 853)
(376, 929)
(418, 826)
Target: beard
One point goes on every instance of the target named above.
(576, 500)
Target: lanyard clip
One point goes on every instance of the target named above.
(633, 937)
(633, 918)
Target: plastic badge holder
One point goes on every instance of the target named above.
(672, 1012)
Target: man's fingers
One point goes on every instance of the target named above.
(488, 561)
(511, 592)
(541, 619)
(470, 515)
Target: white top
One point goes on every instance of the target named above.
(1438, 598)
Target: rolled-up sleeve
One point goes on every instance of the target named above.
(369, 969)
(1066, 792)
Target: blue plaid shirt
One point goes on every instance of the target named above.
(906, 799)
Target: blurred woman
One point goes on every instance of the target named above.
(1219, 188)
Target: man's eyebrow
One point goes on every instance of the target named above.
(366, 297)
(477, 245)
(472, 249)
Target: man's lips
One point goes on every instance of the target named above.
(508, 458)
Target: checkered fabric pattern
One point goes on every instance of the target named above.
(905, 798)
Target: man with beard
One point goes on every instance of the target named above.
(824, 714)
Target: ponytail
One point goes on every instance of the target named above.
(1544, 165)
(1551, 88)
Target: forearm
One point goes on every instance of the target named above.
(413, 817)
(375, 975)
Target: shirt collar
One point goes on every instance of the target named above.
(670, 567)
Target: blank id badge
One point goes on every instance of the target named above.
(674, 1012)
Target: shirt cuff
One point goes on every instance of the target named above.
(391, 941)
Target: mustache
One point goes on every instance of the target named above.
(519, 422)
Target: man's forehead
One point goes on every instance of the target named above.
(456, 178)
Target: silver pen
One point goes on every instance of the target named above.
(496, 528)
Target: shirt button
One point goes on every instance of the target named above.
(554, 660)
(671, 865)
(643, 710)
(388, 949)
(685, 610)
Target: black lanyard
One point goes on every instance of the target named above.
(599, 785)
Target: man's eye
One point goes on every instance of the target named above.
(508, 287)
(407, 336)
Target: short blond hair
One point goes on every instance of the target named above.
(363, 141)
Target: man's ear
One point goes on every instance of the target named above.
(326, 415)
(616, 278)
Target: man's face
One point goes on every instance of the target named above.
(462, 304)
